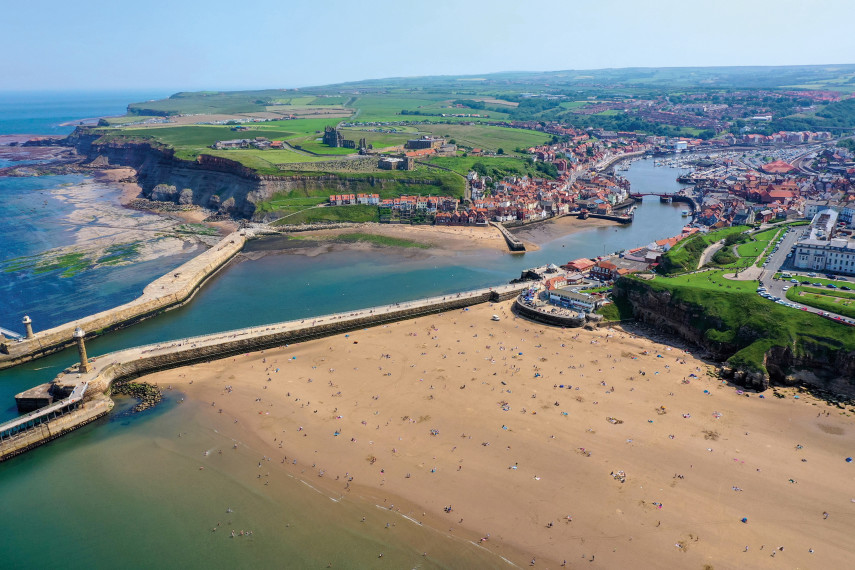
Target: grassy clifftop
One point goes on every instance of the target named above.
(733, 322)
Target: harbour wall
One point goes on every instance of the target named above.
(514, 244)
(143, 360)
(41, 434)
(167, 292)
(136, 362)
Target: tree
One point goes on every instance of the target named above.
(480, 168)
(500, 150)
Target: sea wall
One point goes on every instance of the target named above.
(140, 361)
(553, 319)
(88, 412)
(514, 244)
(169, 291)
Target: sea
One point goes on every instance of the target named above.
(125, 491)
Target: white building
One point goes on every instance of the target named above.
(820, 251)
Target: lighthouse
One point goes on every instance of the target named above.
(81, 348)
(28, 325)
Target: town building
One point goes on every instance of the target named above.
(574, 300)
(425, 142)
(822, 251)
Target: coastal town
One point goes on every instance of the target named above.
(427, 300)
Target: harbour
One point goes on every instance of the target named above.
(143, 447)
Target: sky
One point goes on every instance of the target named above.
(218, 44)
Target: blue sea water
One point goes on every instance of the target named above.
(43, 112)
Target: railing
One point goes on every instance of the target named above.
(19, 424)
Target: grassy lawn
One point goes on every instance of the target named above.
(462, 165)
(356, 214)
(488, 137)
(290, 203)
(686, 254)
(831, 300)
(379, 140)
(710, 280)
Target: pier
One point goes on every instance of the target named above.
(167, 292)
(44, 424)
(514, 244)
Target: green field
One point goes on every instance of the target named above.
(487, 137)
(356, 214)
(686, 254)
(505, 165)
(831, 300)
(209, 102)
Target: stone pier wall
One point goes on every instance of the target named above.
(514, 244)
(88, 412)
(547, 318)
(167, 292)
(139, 361)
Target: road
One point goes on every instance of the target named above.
(775, 287)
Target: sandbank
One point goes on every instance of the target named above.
(602, 448)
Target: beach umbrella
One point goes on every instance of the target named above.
(848, 460)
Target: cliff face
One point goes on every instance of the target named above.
(211, 181)
(816, 362)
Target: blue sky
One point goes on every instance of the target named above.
(216, 44)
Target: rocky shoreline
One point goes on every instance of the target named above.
(148, 395)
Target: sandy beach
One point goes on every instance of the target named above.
(458, 238)
(599, 448)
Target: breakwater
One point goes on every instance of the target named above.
(139, 361)
(167, 292)
(514, 244)
(14, 443)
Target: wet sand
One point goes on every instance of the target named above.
(460, 238)
(461, 423)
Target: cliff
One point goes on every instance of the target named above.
(213, 182)
(760, 344)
